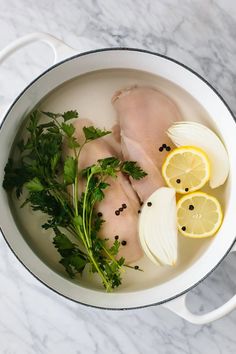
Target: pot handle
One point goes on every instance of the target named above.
(178, 306)
(60, 49)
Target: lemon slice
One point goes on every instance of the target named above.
(199, 215)
(186, 169)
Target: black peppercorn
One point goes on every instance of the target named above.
(99, 214)
(120, 209)
(183, 228)
(139, 211)
(141, 203)
(164, 146)
(161, 148)
(186, 189)
(191, 207)
(168, 148)
(178, 180)
(149, 204)
(124, 206)
(116, 237)
(136, 267)
(123, 243)
(117, 212)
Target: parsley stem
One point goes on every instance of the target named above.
(76, 182)
(75, 190)
(77, 155)
(85, 210)
(107, 285)
(81, 235)
(58, 197)
(112, 258)
(90, 255)
(90, 220)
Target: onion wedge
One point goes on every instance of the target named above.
(158, 227)
(196, 134)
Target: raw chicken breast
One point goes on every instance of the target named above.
(119, 192)
(144, 114)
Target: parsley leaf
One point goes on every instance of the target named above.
(115, 248)
(73, 264)
(66, 115)
(69, 129)
(55, 159)
(92, 133)
(70, 169)
(15, 177)
(62, 242)
(112, 162)
(131, 168)
(70, 115)
(34, 185)
(52, 115)
(32, 126)
(72, 143)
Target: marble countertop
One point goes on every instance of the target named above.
(199, 33)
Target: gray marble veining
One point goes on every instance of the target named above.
(199, 33)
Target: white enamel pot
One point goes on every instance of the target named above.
(69, 64)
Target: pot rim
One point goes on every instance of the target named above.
(106, 50)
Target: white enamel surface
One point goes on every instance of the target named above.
(223, 123)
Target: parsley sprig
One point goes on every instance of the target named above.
(48, 177)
